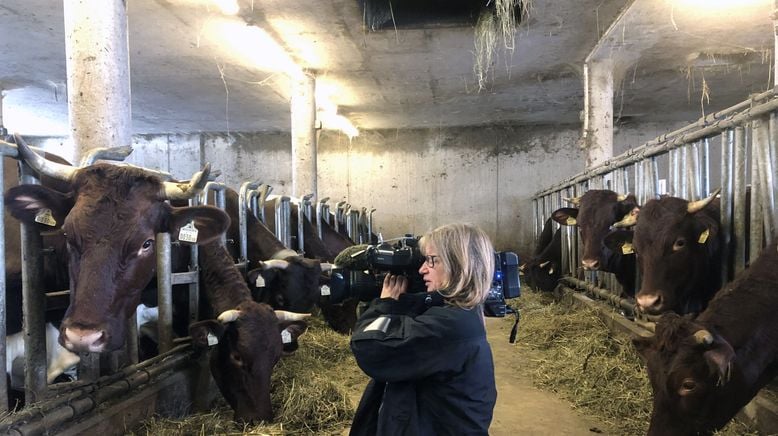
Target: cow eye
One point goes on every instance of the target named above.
(688, 386)
(147, 244)
(679, 244)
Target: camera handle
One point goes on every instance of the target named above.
(515, 328)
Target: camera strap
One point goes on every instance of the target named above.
(515, 328)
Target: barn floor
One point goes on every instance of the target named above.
(522, 408)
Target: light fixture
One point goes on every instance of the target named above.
(228, 7)
(717, 5)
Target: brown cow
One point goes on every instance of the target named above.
(597, 211)
(679, 253)
(111, 218)
(704, 370)
(251, 336)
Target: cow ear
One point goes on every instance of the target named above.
(38, 204)
(620, 241)
(642, 345)
(209, 221)
(290, 331)
(720, 357)
(565, 216)
(199, 331)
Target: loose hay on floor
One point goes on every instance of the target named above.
(313, 392)
(570, 351)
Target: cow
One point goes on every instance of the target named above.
(678, 243)
(544, 268)
(598, 210)
(704, 369)
(251, 336)
(110, 217)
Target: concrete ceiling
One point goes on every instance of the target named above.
(188, 75)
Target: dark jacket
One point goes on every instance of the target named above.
(431, 368)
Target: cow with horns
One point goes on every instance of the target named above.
(678, 243)
(704, 369)
(597, 211)
(110, 217)
(251, 336)
(544, 268)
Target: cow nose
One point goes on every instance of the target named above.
(77, 339)
(651, 303)
(591, 264)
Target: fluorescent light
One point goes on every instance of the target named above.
(717, 5)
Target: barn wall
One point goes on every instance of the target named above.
(416, 179)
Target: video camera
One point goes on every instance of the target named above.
(362, 268)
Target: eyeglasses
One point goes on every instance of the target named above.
(430, 260)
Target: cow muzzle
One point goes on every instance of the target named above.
(650, 303)
(590, 264)
(77, 340)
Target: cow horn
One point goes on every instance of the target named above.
(284, 315)
(696, 206)
(186, 190)
(275, 263)
(522, 267)
(325, 266)
(629, 220)
(228, 316)
(543, 264)
(621, 197)
(42, 165)
(703, 337)
(573, 200)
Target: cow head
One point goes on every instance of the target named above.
(597, 211)
(678, 254)
(110, 218)
(251, 340)
(290, 284)
(689, 367)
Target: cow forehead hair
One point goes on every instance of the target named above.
(120, 180)
(673, 331)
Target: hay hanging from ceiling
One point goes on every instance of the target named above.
(495, 29)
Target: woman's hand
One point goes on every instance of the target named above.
(394, 286)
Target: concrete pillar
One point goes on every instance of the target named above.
(598, 111)
(98, 74)
(303, 108)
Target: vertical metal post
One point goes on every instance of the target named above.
(761, 151)
(706, 167)
(33, 304)
(320, 211)
(727, 142)
(756, 216)
(4, 382)
(243, 218)
(164, 293)
(739, 200)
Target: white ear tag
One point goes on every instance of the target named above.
(44, 216)
(703, 236)
(212, 339)
(286, 337)
(325, 290)
(571, 221)
(188, 233)
(260, 283)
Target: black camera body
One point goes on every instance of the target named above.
(361, 271)
(504, 285)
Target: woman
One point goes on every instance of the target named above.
(430, 365)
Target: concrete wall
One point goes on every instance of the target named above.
(415, 179)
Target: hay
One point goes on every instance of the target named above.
(574, 354)
(496, 23)
(312, 393)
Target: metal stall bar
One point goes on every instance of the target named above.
(370, 225)
(761, 152)
(773, 157)
(33, 303)
(705, 150)
(727, 156)
(164, 292)
(711, 126)
(320, 209)
(283, 228)
(756, 219)
(339, 215)
(5, 151)
(264, 192)
(242, 220)
(739, 200)
(302, 207)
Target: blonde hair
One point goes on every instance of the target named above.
(467, 256)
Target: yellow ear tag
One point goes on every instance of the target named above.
(45, 217)
(571, 221)
(627, 248)
(188, 233)
(704, 236)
